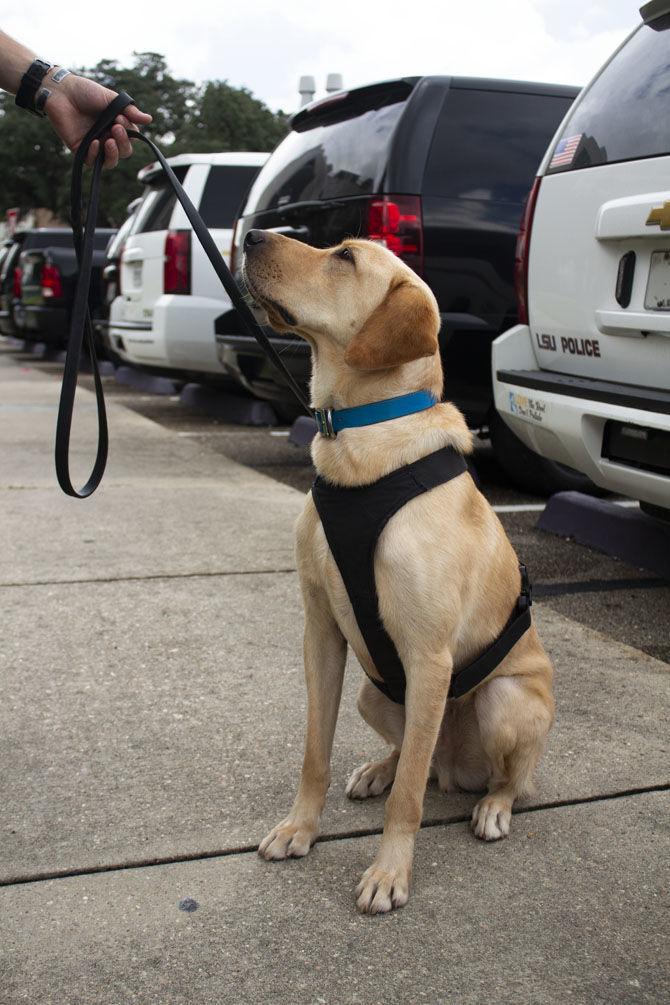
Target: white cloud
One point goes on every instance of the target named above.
(265, 46)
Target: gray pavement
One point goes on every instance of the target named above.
(151, 731)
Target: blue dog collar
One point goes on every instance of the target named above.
(331, 421)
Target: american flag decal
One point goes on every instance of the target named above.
(565, 151)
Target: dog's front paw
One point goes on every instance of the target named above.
(491, 818)
(382, 888)
(289, 839)
(371, 779)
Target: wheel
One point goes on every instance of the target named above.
(530, 472)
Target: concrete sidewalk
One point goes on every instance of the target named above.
(151, 732)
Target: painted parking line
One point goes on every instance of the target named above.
(538, 507)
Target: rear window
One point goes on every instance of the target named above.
(155, 212)
(625, 113)
(489, 144)
(9, 260)
(115, 243)
(63, 239)
(51, 239)
(101, 239)
(224, 192)
(331, 156)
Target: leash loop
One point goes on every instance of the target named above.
(81, 330)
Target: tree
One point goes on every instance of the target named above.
(187, 119)
(170, 101)
(230, 118)
(34, 161)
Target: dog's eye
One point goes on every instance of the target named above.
(345, 254)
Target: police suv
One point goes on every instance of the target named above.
(584, 379)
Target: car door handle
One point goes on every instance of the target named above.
(133, 255)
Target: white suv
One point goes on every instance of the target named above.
(169, 297)
(585, 378)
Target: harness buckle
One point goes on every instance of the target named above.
(324, 420)
(526, 596)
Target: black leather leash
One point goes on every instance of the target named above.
(80, 325)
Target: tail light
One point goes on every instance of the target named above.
(177, 267)
(16, 283)
(395, 221)
(521, 254)
(50, 281)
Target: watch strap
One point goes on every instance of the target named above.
(30, 84)
(41, 100)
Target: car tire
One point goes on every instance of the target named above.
(531, 472)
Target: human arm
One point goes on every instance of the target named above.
(73, 105)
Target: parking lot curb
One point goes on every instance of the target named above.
(147, 382)
(21, 344)
(220, 404)
(48, 354)
(627, 534)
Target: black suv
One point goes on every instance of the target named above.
(435, 168)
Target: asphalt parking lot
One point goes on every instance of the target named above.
(627, 603)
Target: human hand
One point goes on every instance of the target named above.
(74, 105)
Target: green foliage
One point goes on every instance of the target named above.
(34, 162)
(35, 166)
(230, 118)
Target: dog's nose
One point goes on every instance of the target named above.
(253, 238)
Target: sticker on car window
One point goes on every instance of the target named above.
(565, 151)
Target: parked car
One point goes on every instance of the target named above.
(47, 277)
(585, 377)
(4, 250)
(110, 282)
(9, 284)
(437, 169)
(162, 318)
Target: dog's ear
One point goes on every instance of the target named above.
(404, 327)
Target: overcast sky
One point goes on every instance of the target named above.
(266, 45)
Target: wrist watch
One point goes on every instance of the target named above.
(29, 86)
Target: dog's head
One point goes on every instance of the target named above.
(357, 301)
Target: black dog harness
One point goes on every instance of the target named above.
(353, 519)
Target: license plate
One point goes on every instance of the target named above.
(657, 297)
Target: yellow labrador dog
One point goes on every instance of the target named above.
(446, 575)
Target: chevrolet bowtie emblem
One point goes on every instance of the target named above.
(660, 217)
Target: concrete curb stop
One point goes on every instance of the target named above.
(303, 431)
(220, 404)
(50, 355)
(628, 534)
(21, 344)
(147, 382)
